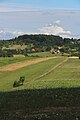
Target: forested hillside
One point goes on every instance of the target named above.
(38, 43)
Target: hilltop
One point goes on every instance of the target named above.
(39, 43)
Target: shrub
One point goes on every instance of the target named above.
(15, 84)
(20, 82)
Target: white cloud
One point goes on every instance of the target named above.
(5, 34)
(57, 21)
(50, 29)
(55, 29)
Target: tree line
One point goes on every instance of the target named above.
(38, 43)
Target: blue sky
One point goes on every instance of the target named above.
(59, 17)
(23, 5)
(47, 3)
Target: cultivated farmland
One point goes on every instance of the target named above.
(50, 90)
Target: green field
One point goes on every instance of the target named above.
(51, 91)
(65, 75)
(43, 54)
(7, 60)
(10, 60)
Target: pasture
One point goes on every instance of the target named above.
(19, 58)
(11, 60)
(51, 90)
(53, 73)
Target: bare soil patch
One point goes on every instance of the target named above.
(19, 65)
(73, 57)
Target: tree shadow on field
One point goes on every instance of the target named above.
(40, 104)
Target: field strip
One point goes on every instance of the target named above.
(19, 65)
(43, 75)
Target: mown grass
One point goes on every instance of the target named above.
(43, 54)
(16, 47)
(55, 96)
(65, 75)
(10, 60)
(30, 73)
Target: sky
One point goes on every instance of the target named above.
(57, 17)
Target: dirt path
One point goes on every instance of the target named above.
(19, 65)
(74, 57)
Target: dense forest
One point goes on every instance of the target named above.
(39, 43)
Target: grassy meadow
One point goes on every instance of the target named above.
(65, 75)
(11, 60)
(19, 58)
(51, 90)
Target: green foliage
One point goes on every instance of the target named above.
(20, 82)
(39, 43)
